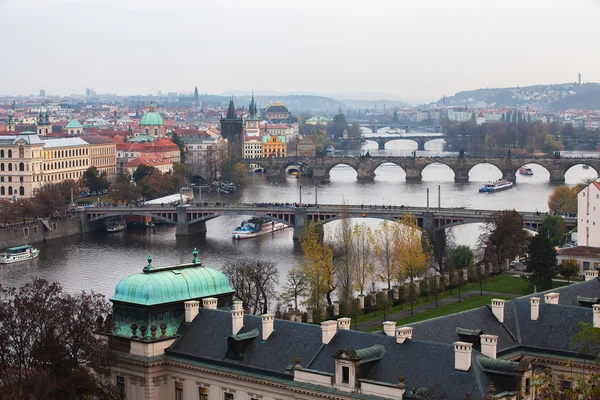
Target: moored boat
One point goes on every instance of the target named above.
(525, 170)
(257, 226)
(18, 253)
(330, 149)
(496, 186)
(116, 226)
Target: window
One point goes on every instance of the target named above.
(345, 374)
(25, 231)
(586, 265)
(9, 153)
(228, 396)
(120, 387)
(21, 191)
(178, 390)
(21, 167)
(35, 229)
(1, 153)
(203, 393)
(2, 191)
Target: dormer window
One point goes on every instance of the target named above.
(345, 375)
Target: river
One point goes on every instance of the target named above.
(98, 260)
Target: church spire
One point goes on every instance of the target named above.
(231, 114)
(252, 113)
(196, 94)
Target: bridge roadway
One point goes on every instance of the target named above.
(190, 219)
(414, 166)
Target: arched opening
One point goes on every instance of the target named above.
(10, 191)
(389, 172)
(21, 191)
(343, 173)
(484, 172)
(580, 173)
(532, 173)
(9, 166)
(403, 145)
(437, 172)
(9, 153)
(2, 191)
(1, 166)
(435, 145)
(1, 153)
(155, 131)
(21, 166)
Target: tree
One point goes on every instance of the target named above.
(177, 140)
(233, 171)
(569, 269)
(384, 246)
(461, 257)
(318, 266)
(362, 256)
(554, 227)
(342, 250)
(413, 254)
(541, 263)
(563, 199)
(124, 191)
(254, 282)
(213, 158)
(142, 171)
(337, 126)
(180, 174)
(296, 286)
(47, 347)
(395, 117)
(505, 237)
(155, 185)
(94, 181)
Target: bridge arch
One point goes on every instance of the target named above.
(344, 162)
(539, 168)
(479, 175)
(140, 213)
(589, 172)
(437, 163)
(403, 139)
(384, 163)
(208, 217)
(285, 165)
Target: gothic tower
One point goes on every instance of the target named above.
(252, 122)
(196, 99)
(231, 130)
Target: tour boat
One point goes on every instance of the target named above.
(257, 226)
(525, 170)
(19, 253)
(116, 226)
(496, 186)
(585, 166)
(330, 149)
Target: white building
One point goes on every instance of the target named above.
(460, 115)
(588, 211)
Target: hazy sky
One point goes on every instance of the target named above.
(415, 49)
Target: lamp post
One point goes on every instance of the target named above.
(300, 192)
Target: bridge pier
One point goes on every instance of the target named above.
(413, 174)
(557, 175)
(273, 174)
(381, 145)
(300, 223)
(320, 174)
(421, 145)
(461, 175)
(365, 174)
(183, 226)
(509, 175)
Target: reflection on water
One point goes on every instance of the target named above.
(99, 260)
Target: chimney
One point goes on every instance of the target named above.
(191, 310)
(591, 274)
(389, 328)
(551, 298)
(328, 329)
(489, 344)
(237, 317)
(498, 309)
(210, 303)
(403, 333)
(344, 323)
(535, 308)
(267, 325)
(462, 355)
(596, 308)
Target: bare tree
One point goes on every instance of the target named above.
(362, 255)
(342, 250)
(384, 243)
(254, 282)
(296, 286)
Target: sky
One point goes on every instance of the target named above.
(414, 50)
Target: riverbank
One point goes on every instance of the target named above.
(39, 231)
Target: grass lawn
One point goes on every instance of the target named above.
(105, 198)
(464, 305)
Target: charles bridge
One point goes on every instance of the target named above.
(191, 219)
(365, 166)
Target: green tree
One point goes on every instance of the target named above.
(180, 174)
(554, 227)
(177, 140)
(47, 346)
(461, 257)
(93, 180)
(233, 171)
(337, 126)
(569, 269)
(541, 263)
(505, 238)
(142, 171)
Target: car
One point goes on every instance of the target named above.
(513, 264)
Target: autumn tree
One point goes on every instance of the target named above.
(180, 174)
(563, 199)
(342, 250)
(124, 191)
(318, 266)
(504, 238)
(569, 269)
(254, 282)
(541, 263)
(142, 171)
(413, 254)
(94, 180)
(384, 246)
(295, 287)
(47, 349)
(554, 227)
(362, 256)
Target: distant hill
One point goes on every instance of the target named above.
(551, 97)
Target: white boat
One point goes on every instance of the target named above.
(330, 149)
(116, 226)
(18, 253)
(256, 227)
(496, 186)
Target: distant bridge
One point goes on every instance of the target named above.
(420, 140)
(375, 126)
(414, 166)
(192, 219)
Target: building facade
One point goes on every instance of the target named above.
(231, 130)
(277, 111)
(588, 211)
(152, 123)
(103, 155)
(274, 146)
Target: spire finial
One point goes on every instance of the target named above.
(149, 267)
(195, 254)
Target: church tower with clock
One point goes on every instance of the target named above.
(231, 130)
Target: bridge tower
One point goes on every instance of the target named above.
(231, 129)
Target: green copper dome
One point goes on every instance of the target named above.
(151, 118)
(171, 284)
(74, 124)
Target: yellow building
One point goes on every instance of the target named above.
(274, 146)
(27, 162)
(103, 155)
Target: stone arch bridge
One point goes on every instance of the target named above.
(382, 140)
(414, 166)
(192, 219)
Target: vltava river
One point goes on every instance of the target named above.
(97, 261)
